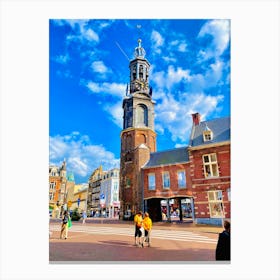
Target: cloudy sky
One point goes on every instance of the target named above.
(88, 59)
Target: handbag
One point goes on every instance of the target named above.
(69, 223)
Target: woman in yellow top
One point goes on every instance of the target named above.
(138, 224)
(147, 224)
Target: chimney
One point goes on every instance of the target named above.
(196, 118)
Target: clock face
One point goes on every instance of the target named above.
(141, 85)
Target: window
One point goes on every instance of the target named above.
(210, 165)
(128, 182)
(52, 185)
(51, 196)
(228, 193)
(166, 180)
(151, 181)
(181, 179)
(215, 199)
(207, 135)
(141, 115)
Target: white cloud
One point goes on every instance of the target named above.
(99, 66)
(219, 30)
(211, 78)
(101, 69)
(90, 35)
(81, 156)
(181, 46)
(62, 59)
(82, 31)
(113, 89)
(171, 78)
(169, 59)
(174, 115)
(112, 107)
(157, 41)
(116, 112)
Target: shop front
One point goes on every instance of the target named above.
(170, 209)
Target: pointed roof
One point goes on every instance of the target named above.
(70, 177)
(219, 127)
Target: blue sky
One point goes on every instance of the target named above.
(190, 72)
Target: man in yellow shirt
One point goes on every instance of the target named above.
(138, 220)
(147, 224)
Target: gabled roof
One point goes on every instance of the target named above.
(178, 155)
(220, 128)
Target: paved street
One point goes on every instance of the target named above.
(114, 242)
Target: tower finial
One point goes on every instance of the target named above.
(139, 51)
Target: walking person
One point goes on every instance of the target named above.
(84, 216)
(138, 220)
(223, 245)
(64, 226)
(147, 224)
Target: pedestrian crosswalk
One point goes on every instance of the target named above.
(178, 235)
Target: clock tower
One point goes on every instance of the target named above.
(138, 138)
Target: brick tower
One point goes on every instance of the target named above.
(138, 138)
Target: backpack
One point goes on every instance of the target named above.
(65, 219)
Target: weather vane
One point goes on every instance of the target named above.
(139, 26)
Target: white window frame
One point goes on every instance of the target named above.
(165, 173)
(207, 135)
(210, 166)
(182, 179)
(216, 207)
(152, 182)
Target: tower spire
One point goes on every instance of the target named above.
(139, 51)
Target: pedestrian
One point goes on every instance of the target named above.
(223, 245)
(64, 226)
(147, 224)
(84, 216)
(138, 220)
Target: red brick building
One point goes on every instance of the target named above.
(196, 178)
(187, 182)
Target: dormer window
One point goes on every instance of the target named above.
(207, 134)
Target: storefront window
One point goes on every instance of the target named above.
(215, 199)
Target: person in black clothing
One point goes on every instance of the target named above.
(223, 245)
(64, 226)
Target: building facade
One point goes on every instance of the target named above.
(57, 188)
(209, 153)
(77, 197)
(187, 182)
(93, 196)
(109, 193)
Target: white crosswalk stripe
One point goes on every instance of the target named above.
(178, 235)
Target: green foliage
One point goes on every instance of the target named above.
(76, 215)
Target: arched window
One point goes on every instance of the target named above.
(141, 115)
